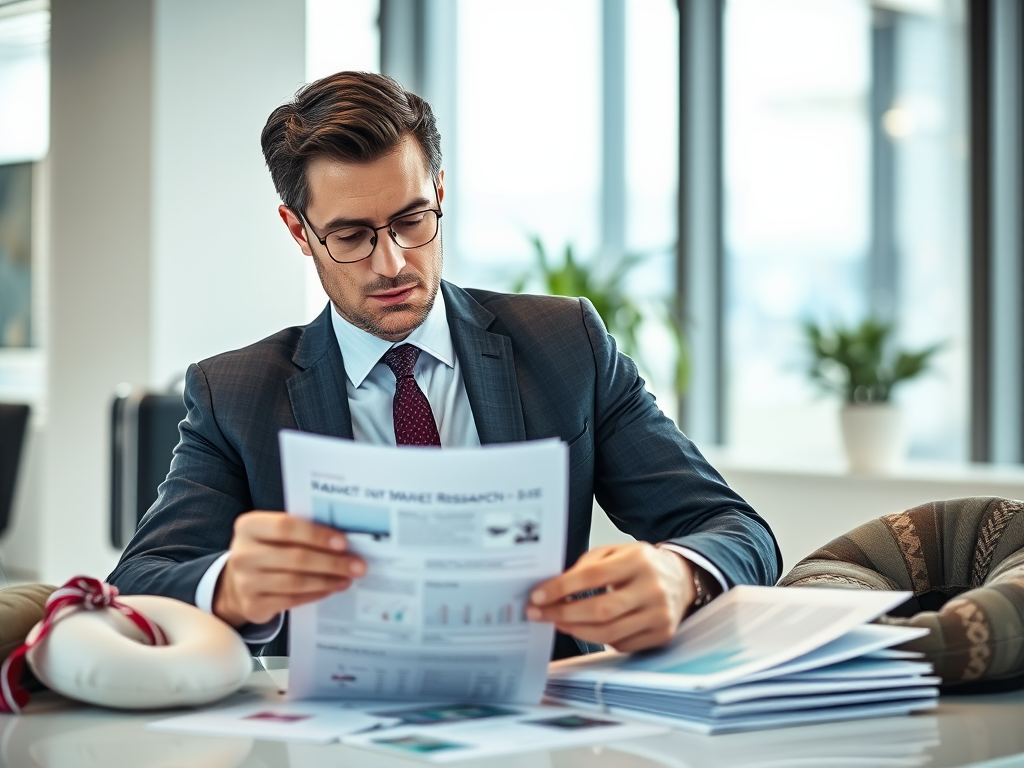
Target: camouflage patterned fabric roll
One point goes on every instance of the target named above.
(964, 561)
(20, 608)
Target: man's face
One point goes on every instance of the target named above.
(390, 293)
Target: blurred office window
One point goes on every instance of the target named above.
(567, 121)
(24, 81)
(341, 36)
(844, 194)
(16, 255)
(24, 142)
(650, 207)
(529, 134)
(652, 125)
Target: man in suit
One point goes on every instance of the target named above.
(357, 162)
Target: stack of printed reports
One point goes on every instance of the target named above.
(762, 657)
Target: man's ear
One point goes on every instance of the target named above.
(440, 187)
(295, 228)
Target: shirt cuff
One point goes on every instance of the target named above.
(700, 561)
(254, 634)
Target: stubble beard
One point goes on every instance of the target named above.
(376, 324)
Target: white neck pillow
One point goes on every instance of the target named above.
(101, 657)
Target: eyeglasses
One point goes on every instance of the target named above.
(355, 243)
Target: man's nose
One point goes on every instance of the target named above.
(387, 258)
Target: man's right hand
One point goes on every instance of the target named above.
(278, 561)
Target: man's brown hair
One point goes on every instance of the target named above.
(351, 116)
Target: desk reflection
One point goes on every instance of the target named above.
(77, 740)
(899, 742)
(56, 733)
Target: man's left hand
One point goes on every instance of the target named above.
(647, 591)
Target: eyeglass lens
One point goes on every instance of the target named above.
(356, 243)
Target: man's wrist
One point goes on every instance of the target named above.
(706, 588)
(712, 576)
(223, 603)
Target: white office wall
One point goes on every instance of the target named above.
(165, 241)
(99, 324)
(225, 272)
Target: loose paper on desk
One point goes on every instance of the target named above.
(454, 540)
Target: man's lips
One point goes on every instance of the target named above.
(395, 296)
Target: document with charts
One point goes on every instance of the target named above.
(454, 540)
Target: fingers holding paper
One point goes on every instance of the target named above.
(278, 561)
(643, 594)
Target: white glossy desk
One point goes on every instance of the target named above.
(55, 733)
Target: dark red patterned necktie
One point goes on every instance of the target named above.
(414, 422)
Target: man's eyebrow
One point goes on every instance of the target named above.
(419, 204)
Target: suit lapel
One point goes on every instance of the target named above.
(319, 396)
(488, 369)
(318, 393)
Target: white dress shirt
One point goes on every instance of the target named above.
(370, 387)
(371, 384)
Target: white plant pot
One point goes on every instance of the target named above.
(873, 436)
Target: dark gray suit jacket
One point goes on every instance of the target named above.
(534, 367)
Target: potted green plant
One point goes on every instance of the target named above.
(862, 364)
(603, 282)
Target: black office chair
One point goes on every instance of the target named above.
(13, 426)
(144, 431)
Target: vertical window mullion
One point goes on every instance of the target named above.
(1005, 201)
(883, 288)
(979, 65)
(613, 128)
(699, 261)
(996, 30)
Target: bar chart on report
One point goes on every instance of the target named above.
(455, 604)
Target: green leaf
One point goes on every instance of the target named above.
(859, 362)
(602, 281)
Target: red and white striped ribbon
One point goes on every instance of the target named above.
(83, 593)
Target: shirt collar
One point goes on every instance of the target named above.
(361, 351)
